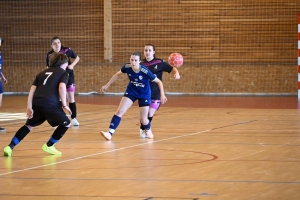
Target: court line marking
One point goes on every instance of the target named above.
(114, 150)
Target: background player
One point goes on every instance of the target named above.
(58, 47)
(156, 66)
(138, 89)
(48, 88)
(2, 79)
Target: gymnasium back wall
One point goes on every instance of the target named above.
(229, 46)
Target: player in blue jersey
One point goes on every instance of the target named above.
(2, 79)
(138, 88)
(58, 47)
(46, 101)
(156, 66)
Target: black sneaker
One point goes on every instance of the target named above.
(2, 129)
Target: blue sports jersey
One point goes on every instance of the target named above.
(139, 85)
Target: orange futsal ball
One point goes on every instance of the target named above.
(175, 60)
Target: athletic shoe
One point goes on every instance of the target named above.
(74, 122)
(7, 151)
(52, 150)
(106, 135)
(149, 134)
(2, 129)
(143, 134)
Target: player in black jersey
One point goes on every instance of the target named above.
(46, 101)
(156, 66)
(57, 47)
(2, 79)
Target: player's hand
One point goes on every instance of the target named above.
(71, 67)
(29, 113)
(68, 109)
(103, 88)
(176, 76)
(163, 99)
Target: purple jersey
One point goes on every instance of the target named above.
(139, 85)
(156, 66)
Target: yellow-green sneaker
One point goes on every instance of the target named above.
(52, 150)
(7, 151)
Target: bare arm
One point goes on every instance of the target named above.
(176, 73)
(63, 96)
(163, 98)
(29, 111)
(4, 79)
(113, 79)
(74, 63)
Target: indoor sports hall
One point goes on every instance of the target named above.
(229, 130)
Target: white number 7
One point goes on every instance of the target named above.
(49, 74)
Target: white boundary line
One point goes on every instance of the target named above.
(113, 150)
(95, 154)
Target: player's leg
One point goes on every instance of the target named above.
(36, 120)
(154, 106)
(56, 117)
(72, 104)
(125, 104)
(1, 95)
(144, 110)
(19, 136)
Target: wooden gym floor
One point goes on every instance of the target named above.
(204, 148)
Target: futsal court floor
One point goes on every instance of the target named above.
(204, 147)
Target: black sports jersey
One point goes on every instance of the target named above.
(156, 66)
(47, 83)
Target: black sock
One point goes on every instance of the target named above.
(72, 107)
(57, 135)
(142, 126)
(19, 136)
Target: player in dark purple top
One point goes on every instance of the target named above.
(2, 79)
(46, 101)
(156, 66)
(57, 47)
(138, 89)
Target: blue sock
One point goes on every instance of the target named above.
(114, 123)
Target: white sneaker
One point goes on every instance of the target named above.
(106, 135)
(143, 134)
(74, 122)
(149, 134)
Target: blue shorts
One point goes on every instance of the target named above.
(1, 88)
(142, 101)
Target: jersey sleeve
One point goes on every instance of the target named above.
(64, 78)
(71, 53)
(166, 67)
(35, 82)
(124, 68)
(150, 75)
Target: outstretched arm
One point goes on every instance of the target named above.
(163, 98)
(176, 73)
(4, 79)
(113, 79)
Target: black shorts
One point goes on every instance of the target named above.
(55, 116)
(71, 80)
